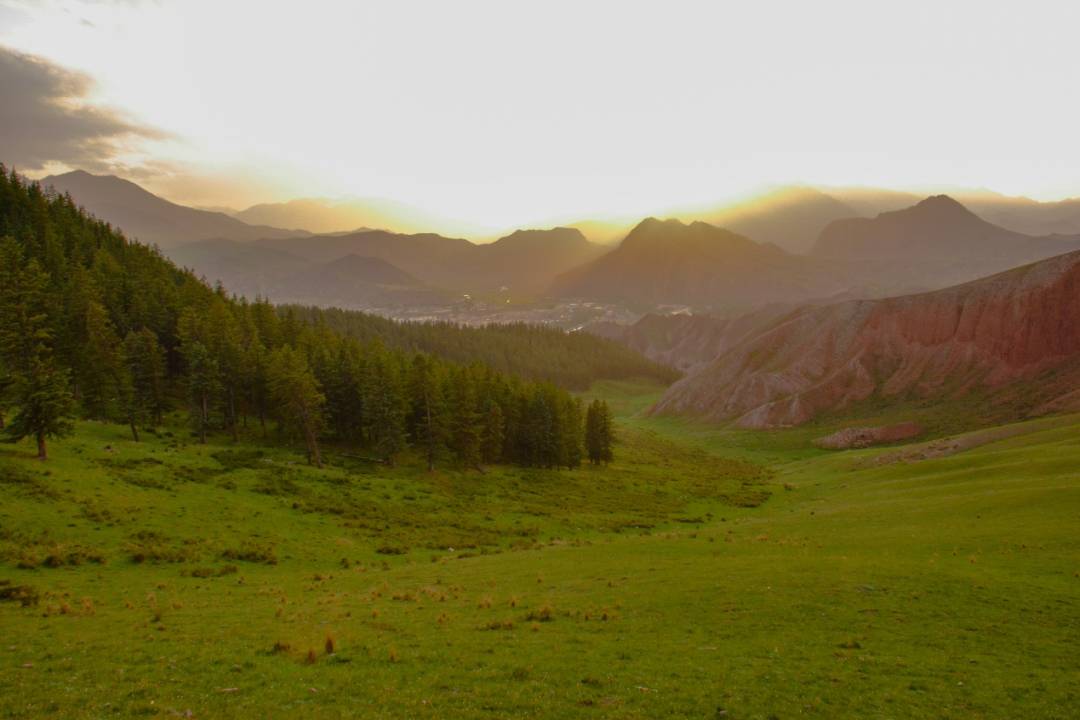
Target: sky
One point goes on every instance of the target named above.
(498, 113)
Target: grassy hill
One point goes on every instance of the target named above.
(704, 574)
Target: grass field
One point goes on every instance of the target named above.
(705, 574)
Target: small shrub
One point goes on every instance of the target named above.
(252, 553)
(25, 595)
(544, 613)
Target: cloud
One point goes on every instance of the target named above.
(45, 119)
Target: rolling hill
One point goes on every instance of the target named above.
(141, 215)
(985, 336)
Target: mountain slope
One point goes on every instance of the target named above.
(143, 216)
(244, 268)
(668, 262)
(528, 260)
(357, 282)
(978, 337)
(684, 341)
(935, 243)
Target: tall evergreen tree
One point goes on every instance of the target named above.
(494, 433)
(39, 388)
(203, 384)
(570, 433)
(100, 364)
(428, 420)
(466, 423)
(599, 433)
(386, 399)
(143, 379)
(297, 397)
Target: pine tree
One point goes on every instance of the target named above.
(385, 398)
(100, 364)
(221, 334)
(466, 423)
(297, 397)
(570, 441)
(143, 380)
(599, 433)
(494, 434)
(203, 384)
(39, 388)
(428, 417)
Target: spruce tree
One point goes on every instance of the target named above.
(428, 418)
(570, 429)
(297, 398)
(39, 388)
(385, 398)
(100, 364)
(142, 382)
(203, 384)
(599, 433)
(466, 431)
(494, 434)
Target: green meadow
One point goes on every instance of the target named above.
(706, 573)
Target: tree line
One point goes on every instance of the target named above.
(572, 360)
(94, 325)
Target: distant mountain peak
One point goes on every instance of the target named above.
(941, 205)
(555, 234)
(147, 217)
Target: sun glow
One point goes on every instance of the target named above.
(489, 115)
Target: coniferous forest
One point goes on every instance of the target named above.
(571, 360)
(99, 327)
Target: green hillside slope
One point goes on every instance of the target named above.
(169, 577)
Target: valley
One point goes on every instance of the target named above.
(539, 361)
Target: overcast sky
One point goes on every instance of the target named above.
(501, 113)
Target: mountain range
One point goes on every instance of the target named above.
(925, 245)
(667, 262)
(933, 244)
(143, 216)
(773, 326)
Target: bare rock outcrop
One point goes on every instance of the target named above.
(980, 336)
(862, 437)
